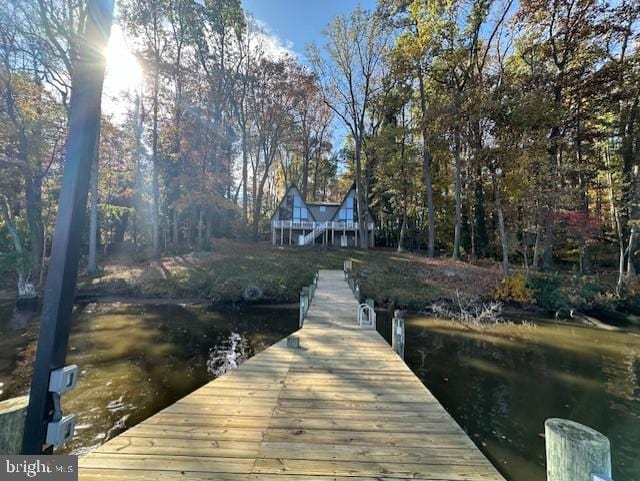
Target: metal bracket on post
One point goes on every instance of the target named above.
(60, 428)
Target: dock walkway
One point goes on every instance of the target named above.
(343, 407)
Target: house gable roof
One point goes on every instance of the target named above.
(344, 199)
(292, 187)
(332, 207)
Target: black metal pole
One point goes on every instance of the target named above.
(84, 120)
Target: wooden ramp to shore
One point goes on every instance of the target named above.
(343, 407)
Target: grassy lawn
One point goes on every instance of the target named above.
(247, 271)
(240, 272)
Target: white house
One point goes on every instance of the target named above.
(296, 222)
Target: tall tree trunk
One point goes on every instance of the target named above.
(553, 179)
(458, 175)
(155, 188)
(479, 215)
(631, 184)
(33, 186)
(92, 264)
(403, 230)
(315, 177)
(245, 174)
(616, 216)
(501, 226)
(426, 167)
(175, 220)
(360, 201)
(257, 206)
(305, 160)
(7, 217)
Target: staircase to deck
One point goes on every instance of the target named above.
(318, 230)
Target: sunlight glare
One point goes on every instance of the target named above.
(124, 73)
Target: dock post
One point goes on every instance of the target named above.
(304, 305)
(397, 334)
(307, 293)
(293, 342)
(301, 314)
(12, 416)
(348, 266)
(576, 452)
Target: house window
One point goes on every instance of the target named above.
(347, 213)
(299, 212)
(323, 208)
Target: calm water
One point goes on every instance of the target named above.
(136, 359)
(500, 384)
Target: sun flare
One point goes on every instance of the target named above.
(124, 73)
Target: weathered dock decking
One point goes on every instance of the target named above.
(343, 407)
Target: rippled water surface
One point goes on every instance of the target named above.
(501, 383)
(136, 359)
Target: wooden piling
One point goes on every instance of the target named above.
(575, 452)
(293, 342)
(348, 265)
(304, 305)
(397, 334)
(12, 416)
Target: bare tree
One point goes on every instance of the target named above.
(350, 76)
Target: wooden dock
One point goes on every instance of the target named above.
(343, 407)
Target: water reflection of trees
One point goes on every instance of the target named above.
(501, 385)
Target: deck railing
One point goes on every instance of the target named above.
(309, 225)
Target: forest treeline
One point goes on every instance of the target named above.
(474, 128)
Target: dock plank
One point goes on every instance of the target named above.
(343, 407)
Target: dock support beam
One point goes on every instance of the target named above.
(576, 452)
(397, 334)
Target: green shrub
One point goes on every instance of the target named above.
(548, 292)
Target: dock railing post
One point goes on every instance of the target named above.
(303, 306)
(12, 416)
(397, 334)
(576, 452)
(348, 266)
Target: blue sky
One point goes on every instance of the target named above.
(299, 22)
